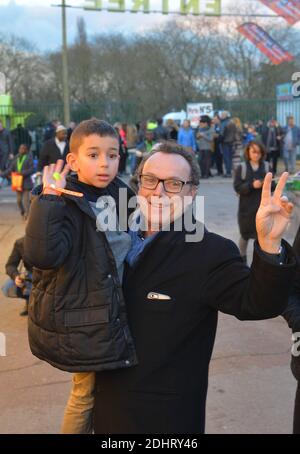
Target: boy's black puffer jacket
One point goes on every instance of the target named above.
(77, 315)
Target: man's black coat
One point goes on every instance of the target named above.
(166, 392)
(292, 316)
(50, 153)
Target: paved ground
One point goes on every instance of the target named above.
(251, 388)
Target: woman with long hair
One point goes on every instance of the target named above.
(248, 181)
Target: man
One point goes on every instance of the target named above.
(144, 147)
(186, 136)
(217, 157)
(6, 147)
(54, 149)
(174, 289)
(123, 152)
(205, 137)
(271, 138)
(228, 137)
(291, 140)
(260, 127)
(292, 316)
(50, 128)
(161, 133)
(21, 136)
(70, 130)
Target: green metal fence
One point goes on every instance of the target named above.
(40, 114)
(110, 112)
(249, 110)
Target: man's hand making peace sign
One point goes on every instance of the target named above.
(273, 215)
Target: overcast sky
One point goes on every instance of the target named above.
(41, 23)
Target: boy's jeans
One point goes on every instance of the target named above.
(78, 416)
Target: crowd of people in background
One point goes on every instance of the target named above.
(219, 142)
(223, 146)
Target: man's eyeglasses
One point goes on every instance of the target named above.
(170, 185)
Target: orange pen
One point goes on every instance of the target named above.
(65, 191)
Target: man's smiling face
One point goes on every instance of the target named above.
(158, 201)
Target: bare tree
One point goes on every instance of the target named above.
(141, 76)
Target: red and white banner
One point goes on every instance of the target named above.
(263, 41)
(288, 9)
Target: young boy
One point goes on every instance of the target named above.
(77, 317)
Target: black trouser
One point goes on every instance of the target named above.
(272, 157)
(3, 160)
(218, 157)
(205, 159)
(295, 367)
(274, 164)
(123, 158)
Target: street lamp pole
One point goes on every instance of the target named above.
(65, 76)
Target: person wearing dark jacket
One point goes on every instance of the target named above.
(172, 128)
(217, 156)
(292, 316)
(205, 136)
(123, 151)
(49, 131)
(77, 317)
(249, 188)
(23, 165)
(271, 137)
(6, 146)
(20, 136)
(228, 138)
(20, 274)
(174, 287)
(54, 149)
(160, 133)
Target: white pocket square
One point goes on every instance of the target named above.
(157, 296)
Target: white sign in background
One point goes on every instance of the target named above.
(195, 110)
